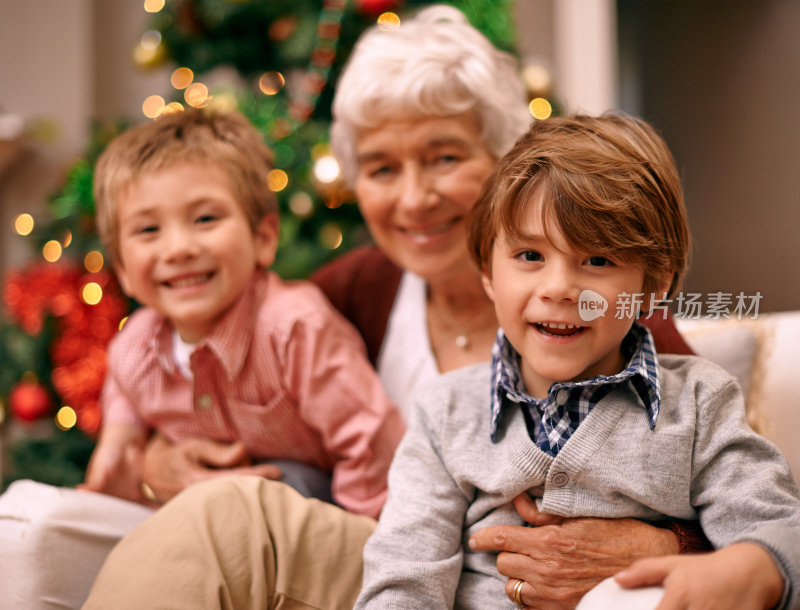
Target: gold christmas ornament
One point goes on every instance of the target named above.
(149, 52)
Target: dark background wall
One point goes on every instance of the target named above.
(721, 79)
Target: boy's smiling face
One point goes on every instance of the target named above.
(535, 283)
(186, 246)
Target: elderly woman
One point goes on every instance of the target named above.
(421, 115)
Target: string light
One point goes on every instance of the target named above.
(172, 107)
(331, 235)
(66, 418)
(326, 169)
(540, 108)
(537, 78)
(51, 251)
(301, 204)
(196, 95)
(153, 106)
(388, 21)
(23, 224)
(153, 6)
(92, 293)
(277, 180)
(93, 261)
(181, 78)
(271, 82)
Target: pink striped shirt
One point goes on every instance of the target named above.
(283, 372)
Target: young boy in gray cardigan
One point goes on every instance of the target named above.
(582, 228)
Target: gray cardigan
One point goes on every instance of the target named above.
(448, 480)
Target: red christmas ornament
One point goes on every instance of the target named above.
(376, 7)
(81, 333)
(29, 401)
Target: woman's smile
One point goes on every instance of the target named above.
(423, 233)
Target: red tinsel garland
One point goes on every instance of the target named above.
(82, 331)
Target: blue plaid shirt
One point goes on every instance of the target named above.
(552, 420)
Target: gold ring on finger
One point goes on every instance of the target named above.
(516, 594)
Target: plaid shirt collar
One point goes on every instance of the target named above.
(230, 339)
(552, 420)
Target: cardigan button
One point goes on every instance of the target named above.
(560, 479)
(204, 401)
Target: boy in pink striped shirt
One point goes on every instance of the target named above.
(223, 348)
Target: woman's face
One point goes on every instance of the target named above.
(418, 177)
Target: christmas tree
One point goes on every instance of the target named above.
(286, 56)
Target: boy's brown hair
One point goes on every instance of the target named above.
(224, 139)
(609, 183)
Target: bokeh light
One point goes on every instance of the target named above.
(271, 82)
(66, 418)
(153, 6)
(122, 322)
(388, 21)
(92, 293)
(93, 261)
(150, 39)
(172, 107)
(149, 52)
(301, 204)
(277, 180)
(537, 78)
(51, 251)
(540, 108)
(224, 101)
(153, 106)
(326, 169)
(280, 128)
(331, 235)
(181, 78)
(67, 240)
(23, 224)
(196, 95)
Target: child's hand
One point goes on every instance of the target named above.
(741, 576)
(115, 467)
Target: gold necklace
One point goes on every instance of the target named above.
(462, 339)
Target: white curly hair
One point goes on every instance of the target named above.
(434, 64)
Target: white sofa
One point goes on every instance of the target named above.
(764, 353)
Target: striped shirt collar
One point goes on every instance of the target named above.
(553, 419)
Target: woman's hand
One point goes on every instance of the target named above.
(741, 576)
(559, 560)
(171, 467)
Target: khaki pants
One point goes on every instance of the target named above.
(237, 543)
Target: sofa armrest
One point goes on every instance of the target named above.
(763, 353)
